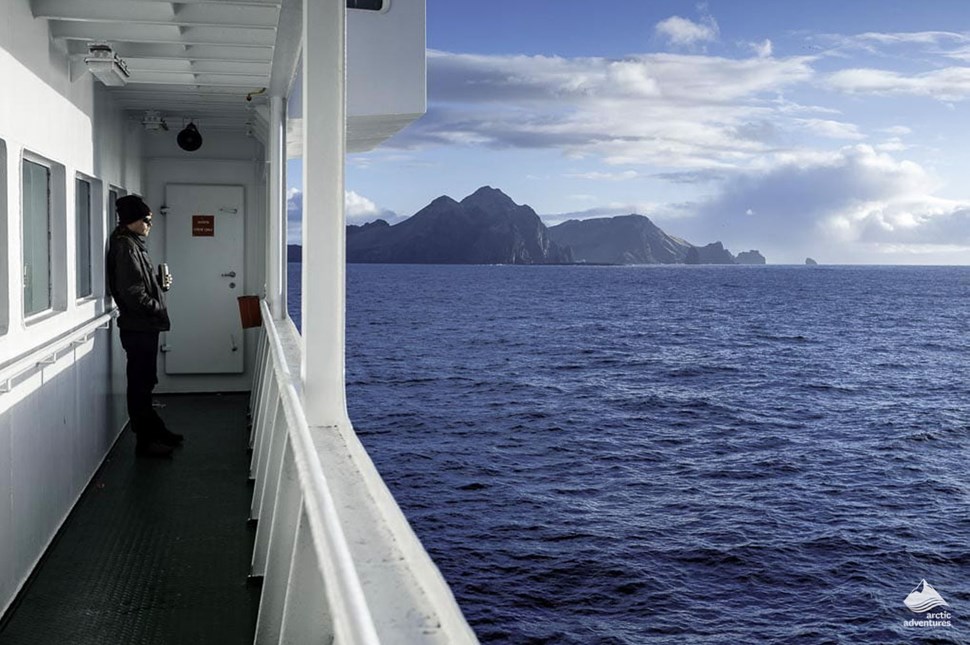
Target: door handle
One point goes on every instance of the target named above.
(231, 274)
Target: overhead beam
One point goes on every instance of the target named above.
(289, 36)
(225, 92)
(245, 83)
(128, 50)
(260, 3)
(252, 68)
(94, 31)
(128, 12)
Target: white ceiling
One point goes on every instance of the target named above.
(192, 59)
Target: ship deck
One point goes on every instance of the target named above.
(156, 551)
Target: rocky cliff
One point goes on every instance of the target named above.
(714, 253)
(627, 239)
(750, 257)
(486, 227)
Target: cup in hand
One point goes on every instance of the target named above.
(164, 276)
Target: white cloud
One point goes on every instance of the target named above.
(892, 145)
(785, 106)
(854, 203)
(675, 111)
(947, 44)
(831, 129)
(961, 54)
(935, 38)
(762, 49)
(605, 176)
(520, 81)
(684, 32)
(948, 84)
(357, 209)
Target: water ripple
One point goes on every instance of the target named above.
(660, 455)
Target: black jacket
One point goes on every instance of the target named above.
(133, 285)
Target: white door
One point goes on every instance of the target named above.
(204, 247)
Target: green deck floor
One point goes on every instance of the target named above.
(156, 551)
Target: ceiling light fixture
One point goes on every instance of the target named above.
(106, 65)
(189, 138)
(153, 121)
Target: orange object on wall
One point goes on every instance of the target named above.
(249, 312)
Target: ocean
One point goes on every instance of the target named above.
(675, 454)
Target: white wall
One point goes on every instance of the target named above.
(56, 422)
(229, 158)
(74, 126)
(56, 426)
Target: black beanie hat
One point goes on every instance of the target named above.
(131, 208)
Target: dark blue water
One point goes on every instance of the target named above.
(675, 454)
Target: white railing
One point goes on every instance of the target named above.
(48, 353)
(338, 561)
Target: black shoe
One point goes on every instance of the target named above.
(169, 438)
(152, 449)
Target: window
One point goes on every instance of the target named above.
(36, 237)
(82, 199)
(113, 196)
(370, 5)
(294, 198)
(4, 261)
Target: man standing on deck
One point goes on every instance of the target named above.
(142, 315)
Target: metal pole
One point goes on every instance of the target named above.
(324, 142)
(276, 244)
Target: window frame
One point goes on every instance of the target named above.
(5, 264)
(110, 223)
(110, 212)
(28, 313)
(57, 238)
(94, 190)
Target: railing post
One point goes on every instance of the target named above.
(264, 450)
(276, 233)
(262, 361)
(264, 497)
(269, 397)
(288, 503)
(306, 614)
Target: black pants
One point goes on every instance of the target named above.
(141, 347)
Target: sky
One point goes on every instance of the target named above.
(836, 130)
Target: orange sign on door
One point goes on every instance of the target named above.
(203, 225)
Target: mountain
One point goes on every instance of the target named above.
(750, 257)
(626, 239)
(486, 227)
(714, 253)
